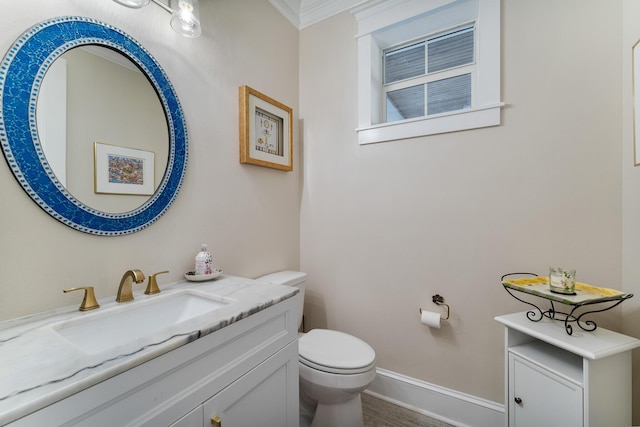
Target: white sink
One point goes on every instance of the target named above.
(135, 321)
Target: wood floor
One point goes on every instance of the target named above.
(380, 413)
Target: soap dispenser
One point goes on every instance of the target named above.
(204, 261)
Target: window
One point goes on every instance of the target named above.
(432, 76)
(419, 71)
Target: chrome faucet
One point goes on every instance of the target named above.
(125, 293)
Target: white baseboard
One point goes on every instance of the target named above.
(450, 406)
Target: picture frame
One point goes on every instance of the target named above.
(266, 131)
(122, 170)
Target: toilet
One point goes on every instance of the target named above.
(334, 369)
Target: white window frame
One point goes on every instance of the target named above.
(385, 23)
(428, 77)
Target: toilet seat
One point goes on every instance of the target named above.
(335, 352)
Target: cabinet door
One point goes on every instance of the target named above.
(192, 419)
(539, 397)
(267, 396)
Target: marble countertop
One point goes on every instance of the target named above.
(39, 367)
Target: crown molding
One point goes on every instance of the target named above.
(290, 9)
(303, 13)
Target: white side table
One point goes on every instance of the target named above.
(556, 379)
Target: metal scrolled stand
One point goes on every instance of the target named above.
(568, 318)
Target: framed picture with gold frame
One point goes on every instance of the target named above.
(635, 96)
(266, 131)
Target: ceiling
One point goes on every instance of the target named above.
(302, 13)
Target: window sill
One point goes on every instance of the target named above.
(442, 123)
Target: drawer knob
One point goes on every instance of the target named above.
(518, 400)
(216, 421)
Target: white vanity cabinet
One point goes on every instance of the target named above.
(555, 379)
(259, 398)
(246, 373)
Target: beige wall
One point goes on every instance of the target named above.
(631, 193)
(248, 215)
(386, 226)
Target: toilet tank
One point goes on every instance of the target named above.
(289, 278)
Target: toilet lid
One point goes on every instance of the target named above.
(335, 351)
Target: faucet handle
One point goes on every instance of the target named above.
(89, 301)
(152, 285)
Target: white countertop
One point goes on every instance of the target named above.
(591, 345)
(39, 367)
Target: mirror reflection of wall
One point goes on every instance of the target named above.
(52, 118)
(108, 100)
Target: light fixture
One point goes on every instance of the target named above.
(185, 19)
(136, 4)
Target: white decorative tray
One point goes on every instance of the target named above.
(193, 277)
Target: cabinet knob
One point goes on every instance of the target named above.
(517, 400)
(216, 421)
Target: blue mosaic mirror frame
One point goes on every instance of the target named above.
(21, 74)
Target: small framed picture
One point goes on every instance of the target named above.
(266, 131)
(121, 170)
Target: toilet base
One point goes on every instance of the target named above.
(343, 414)
(307, 410)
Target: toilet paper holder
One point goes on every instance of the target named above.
(439, 300)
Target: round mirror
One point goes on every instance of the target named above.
(88, 152)
(84, 92)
